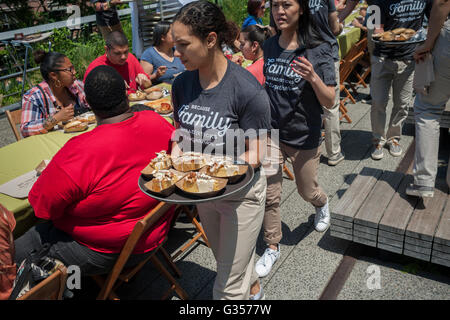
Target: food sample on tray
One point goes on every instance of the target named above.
(75, 126)
(163, 180)
(157, 103)
(222, 167)
(189, 161)
(162, 161)
(155, 95)
(137, 96)
(196, 182)
(398, 34)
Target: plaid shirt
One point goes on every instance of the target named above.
(34, 111)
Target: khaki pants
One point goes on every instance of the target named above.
(428, 111)
(105, 30)
(331, 121)
(305, 164)
(232, 226)
(399, 75)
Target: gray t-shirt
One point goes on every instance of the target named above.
(209, 119)
(320, 9)
(295, 109)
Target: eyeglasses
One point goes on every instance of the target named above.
(70, 69)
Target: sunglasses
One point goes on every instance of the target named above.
(70, 69)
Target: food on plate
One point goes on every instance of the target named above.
(162, 161)
(164, 108)
(196, 182)
(401, 37)
(189, 161)
(409, 32)
(75, 126)
(41, 167)
(398, 31)
(157, 103)
(88, 117)
(222, 167)
(387, 36)
(155, 95)
(163, 180)
(152, 89)
(137, 96)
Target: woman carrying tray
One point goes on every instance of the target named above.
(212, 99)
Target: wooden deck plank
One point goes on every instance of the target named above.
(441, 248)
(353, 198)
(341, 223)
(341, 229)
(365, 241)
(389, 248)
(442, 235)
(417, 255)
(371, 212)
(440, 261)
(441, 255)
(399, 210)
(425, 218)
(392, 236)
(418, 249)
(365, 229)
(390, 242)
(419, 242)
(365, 235)
(341, 235)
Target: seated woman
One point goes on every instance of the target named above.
(158, 61)
(59, 97)
(251, 44)
(256, 10)
(89, 192)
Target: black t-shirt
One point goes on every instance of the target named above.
(108, 17)
(208, 118)
(295, 110)
(401, 14)
(320, 9)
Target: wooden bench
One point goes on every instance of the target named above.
(445, 120)
(376, 211)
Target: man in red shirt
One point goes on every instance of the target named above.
(89, 191)
(117, 55)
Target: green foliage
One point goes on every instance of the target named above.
(236, 10)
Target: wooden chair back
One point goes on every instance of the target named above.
(118, 272)
(51, 288)
(14, 119)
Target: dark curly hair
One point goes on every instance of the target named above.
(48, 62)
(105, 92)
(204, 17)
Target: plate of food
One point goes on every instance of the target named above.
(399, 36)
(88, 117)
(163, 182)
(225, 167)
(75, 126)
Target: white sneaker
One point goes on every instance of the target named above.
(267, 260)
(322, 218)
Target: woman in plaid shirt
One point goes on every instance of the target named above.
(58, 98)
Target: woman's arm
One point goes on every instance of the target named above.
(325, 94)
(255, 153)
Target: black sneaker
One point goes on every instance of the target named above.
(335, 160)
(419, 191)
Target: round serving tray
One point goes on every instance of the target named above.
(418, 38)
(180, 197)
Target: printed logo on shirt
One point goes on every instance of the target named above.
(407, 10)
(315, 6)
(200, 118)
(280, 76)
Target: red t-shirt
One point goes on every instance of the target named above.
(256, 69)
(129, 70)
(90, 188)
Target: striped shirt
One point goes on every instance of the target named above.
(34, 110)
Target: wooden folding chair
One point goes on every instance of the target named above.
(119, 274)
(192, 215)
(14, 119)
(346, 68)
(51, 288)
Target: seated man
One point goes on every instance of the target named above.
(117, 56)
(89, 191)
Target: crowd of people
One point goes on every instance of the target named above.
(290, 90)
